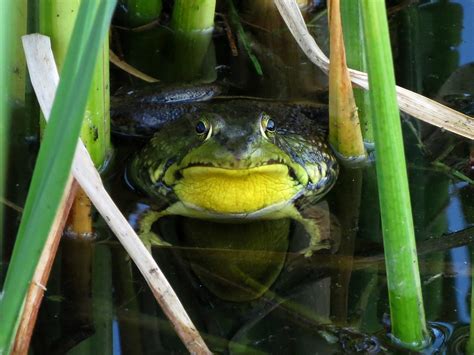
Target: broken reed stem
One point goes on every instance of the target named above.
(344, 128)
(41, 275)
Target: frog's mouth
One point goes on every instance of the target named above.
(229, 190)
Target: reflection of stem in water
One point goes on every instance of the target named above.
(347, 206)
(102, 302)
(127, 303)
(76, 310)
(443, 167)
(288, 73)
(235, 19)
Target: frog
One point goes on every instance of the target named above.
(234, 160)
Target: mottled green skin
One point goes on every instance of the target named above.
(236, 142)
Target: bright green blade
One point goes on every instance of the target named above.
(5, 56)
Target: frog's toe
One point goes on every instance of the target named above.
(308, 251)
(151, 239)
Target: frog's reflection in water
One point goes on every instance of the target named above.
(236, 262)
(240, 261)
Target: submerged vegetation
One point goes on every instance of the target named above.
(245, 50)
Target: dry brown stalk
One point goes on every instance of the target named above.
(344, 127)
(41, 275)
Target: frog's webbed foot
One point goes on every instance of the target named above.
(147, 236)
(316, 222)
(316, 242)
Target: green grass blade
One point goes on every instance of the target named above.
(54, 161)
(5, 55)
(406, 303)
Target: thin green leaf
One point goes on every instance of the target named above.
(54, 161)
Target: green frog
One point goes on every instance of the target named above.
(232, 160)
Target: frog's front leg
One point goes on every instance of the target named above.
(145, 223)
(316, 222)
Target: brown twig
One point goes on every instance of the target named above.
(230, 36)
(114, 59)
(43, 269)
(12, 205)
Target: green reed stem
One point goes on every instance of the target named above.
(192, 48)
(5, 58)
(406, 303)
(141, 12)
(191, 15)
(56, 21)
(54, 161)
(354, 44)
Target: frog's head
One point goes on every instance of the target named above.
(236, 161)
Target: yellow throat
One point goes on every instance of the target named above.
(236, 190)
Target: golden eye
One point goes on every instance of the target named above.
(204, 129)
(267, 125)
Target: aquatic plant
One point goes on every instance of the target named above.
(408, 324)
(53, 164)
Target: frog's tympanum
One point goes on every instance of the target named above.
(235, 161)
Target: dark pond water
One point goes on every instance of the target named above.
(244, 296)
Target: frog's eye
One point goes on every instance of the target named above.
(204, 129)
(267, 125)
